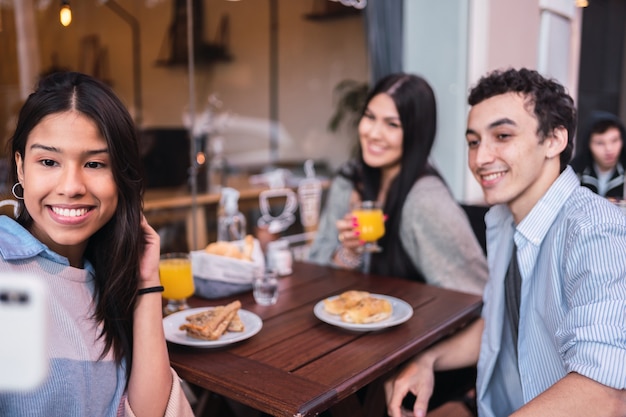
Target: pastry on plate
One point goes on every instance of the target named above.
(344, 301)
(368, 310)
(358, 307)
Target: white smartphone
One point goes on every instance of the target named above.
(23, 311)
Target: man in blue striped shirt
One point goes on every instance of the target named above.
(552, 337)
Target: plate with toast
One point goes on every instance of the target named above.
(363, 311)
(211, 327)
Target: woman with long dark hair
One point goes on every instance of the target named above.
(428, 236)
(80, 229)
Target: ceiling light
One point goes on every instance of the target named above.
(65, 15)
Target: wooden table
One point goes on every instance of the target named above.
(299, 366)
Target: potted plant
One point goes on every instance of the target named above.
(349, 97)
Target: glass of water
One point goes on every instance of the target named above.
(265, 287)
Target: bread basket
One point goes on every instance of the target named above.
(217, 276)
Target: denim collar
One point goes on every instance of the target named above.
(17, 243)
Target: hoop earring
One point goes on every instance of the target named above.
(15, 194)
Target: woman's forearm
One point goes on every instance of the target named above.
(151, 379)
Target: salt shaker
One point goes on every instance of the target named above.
(279, 257)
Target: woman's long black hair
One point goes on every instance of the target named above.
(115, 249)
(415, 102)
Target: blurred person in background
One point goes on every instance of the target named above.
(428, 237)
(600, 164)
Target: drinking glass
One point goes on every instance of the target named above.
(265, 287)
(177, 280)
(371, 224)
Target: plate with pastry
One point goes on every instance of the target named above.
(363, 311)
(211, 326)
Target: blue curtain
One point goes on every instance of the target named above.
(383, 26)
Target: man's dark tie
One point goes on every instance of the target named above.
(512, 291)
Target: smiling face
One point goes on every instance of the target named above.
(69, 189)
(506, 155)
(606, 148)
(380, 134)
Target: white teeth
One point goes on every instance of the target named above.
(69, 212)
(493, 176)
(376, 149)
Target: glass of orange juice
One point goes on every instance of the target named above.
(177, 280)
(370, 224)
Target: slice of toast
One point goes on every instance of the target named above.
(212, 324)
(235, 325)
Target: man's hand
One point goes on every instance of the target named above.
(418, 378)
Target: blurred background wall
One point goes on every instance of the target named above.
(278, 63)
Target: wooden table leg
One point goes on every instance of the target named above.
(375, 404)
(351, 406)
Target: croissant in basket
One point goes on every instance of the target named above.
(232, 249)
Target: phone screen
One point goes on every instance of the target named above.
(23, 353)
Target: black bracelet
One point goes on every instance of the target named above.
(148, 290)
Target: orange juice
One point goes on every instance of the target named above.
(371, 224)
(176, 277)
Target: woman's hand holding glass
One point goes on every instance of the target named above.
(358, 232)
(348, 255)
(348, 234)
(369, 222)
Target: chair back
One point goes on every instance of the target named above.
(476, 217)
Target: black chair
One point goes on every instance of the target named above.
(476, 216)
(457, 386)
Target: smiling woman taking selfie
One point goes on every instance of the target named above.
(428, 237)
(80, 228)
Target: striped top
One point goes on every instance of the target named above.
(78, 384)
(572, 259)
